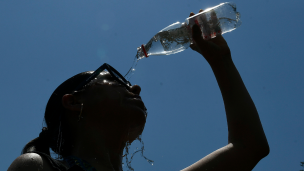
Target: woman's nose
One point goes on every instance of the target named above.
(135, 89)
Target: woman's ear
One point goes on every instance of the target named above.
(70, 102)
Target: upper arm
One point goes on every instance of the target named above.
(30, 161)
(228, 158)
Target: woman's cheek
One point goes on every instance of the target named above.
(114, 95)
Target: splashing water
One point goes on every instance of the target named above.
(132, 69)
(141, 150)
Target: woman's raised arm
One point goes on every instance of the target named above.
(247, 143)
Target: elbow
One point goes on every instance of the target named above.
(264, 148)
(265, 151)
(255, 151)
(260, 152)
(259, 149)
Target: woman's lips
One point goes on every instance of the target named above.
(136, 97)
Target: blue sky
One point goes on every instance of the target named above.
(45, 42)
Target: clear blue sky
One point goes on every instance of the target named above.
(42, 43)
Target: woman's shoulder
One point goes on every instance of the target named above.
(30, 161)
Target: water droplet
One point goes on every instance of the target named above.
(132, 69)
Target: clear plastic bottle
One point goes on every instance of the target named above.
(177, 37)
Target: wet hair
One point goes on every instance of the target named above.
(56, 135)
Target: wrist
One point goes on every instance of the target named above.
(219, 61)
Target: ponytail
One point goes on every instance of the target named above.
(57, 133)
(39, 144)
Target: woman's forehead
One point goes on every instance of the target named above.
(104, 75)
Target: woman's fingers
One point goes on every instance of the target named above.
(196, 34)
(208, 48)
(191, 14)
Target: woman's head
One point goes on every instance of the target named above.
(108, 108)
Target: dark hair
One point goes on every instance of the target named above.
(57, 134)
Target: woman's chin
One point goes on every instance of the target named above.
(135, 132)
(136, 116)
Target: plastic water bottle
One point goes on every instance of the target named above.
(177, 37)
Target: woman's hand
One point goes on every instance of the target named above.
(213, 49)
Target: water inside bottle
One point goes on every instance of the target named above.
(173, 39)
(167, 42)
(176, 37)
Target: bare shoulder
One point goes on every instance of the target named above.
(30, 161)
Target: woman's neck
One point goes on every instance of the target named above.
(99, 142)
(101, 155)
